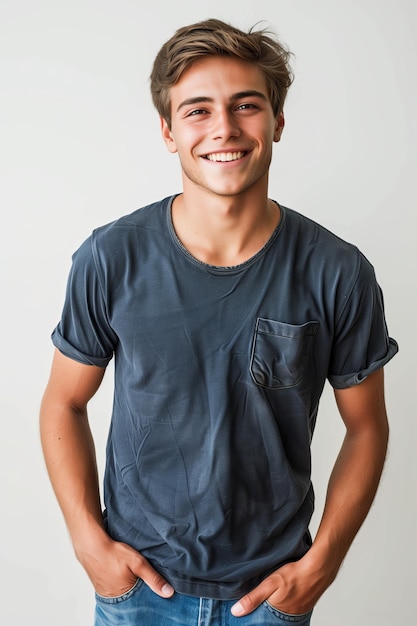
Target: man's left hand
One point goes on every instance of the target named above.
(293, 588)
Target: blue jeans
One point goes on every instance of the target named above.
(142, 607)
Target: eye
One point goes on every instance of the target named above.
(246, 106)
(196, 112)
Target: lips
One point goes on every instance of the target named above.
(224, 157)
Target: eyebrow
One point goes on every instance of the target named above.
(250, 93)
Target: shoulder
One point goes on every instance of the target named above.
(325, 262)
(312, 232)
(148, 218)
(120, 244)
(322, 246)
(122, 235)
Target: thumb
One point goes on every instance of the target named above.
(153, 579)
(253, 599)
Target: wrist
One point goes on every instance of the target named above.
(321, 565)
(88, 537)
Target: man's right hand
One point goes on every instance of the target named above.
(114, 568)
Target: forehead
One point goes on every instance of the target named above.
(218, 76)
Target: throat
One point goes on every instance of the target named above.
(220, 242)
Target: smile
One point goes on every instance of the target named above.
(224, 156)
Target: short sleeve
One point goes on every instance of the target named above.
(361, 344)
(84, 332)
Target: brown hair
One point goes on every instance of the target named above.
(215, 38)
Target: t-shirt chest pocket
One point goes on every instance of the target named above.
(281, 353)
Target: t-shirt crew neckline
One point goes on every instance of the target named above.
(221, 269)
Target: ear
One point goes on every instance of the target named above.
(279, 126)
(167, 136)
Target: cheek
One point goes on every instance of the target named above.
(189, 143)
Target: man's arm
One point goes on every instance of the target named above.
(69, 452)
(296, 587)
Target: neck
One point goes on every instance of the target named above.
(224, 231)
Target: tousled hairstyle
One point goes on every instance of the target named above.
(216, 38)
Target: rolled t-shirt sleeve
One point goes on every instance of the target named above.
(84, 332)
(361, 343)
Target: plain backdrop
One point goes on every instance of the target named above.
(80, 146)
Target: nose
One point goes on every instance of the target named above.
(225, 125)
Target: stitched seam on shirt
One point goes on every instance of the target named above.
(354, 282)
(96, 260)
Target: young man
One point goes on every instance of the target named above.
(225, 313)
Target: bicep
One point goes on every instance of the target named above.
(72, 383)
(362, 407)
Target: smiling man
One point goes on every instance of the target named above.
(223, 127)
(225, 312)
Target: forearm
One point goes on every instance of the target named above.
(71, 462)
(351, 491)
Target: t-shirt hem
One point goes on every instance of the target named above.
(210, 589)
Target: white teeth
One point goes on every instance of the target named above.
(225, 156)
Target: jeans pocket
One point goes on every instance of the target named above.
(302, 619)
(123, 597)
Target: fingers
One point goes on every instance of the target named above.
(115, 569)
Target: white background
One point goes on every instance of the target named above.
(80, 145)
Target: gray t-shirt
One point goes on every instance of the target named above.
(218, 376)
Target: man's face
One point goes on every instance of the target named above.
(222, 127)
